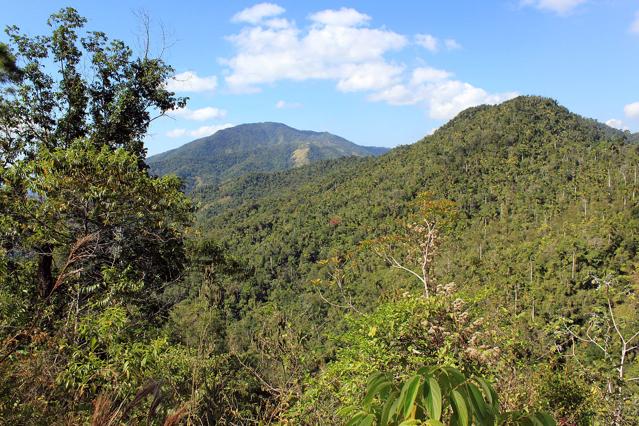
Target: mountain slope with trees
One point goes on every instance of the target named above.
(547, 209)
(485, 275)
(254, 147)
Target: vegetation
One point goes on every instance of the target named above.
(250, 148)
(502, 249)
(436, 394)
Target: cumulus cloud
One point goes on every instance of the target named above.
(176, 133)
(281, 104)
(433, 44)
(200, 114)
(344, 17)
(199, 132)
(190, 82)
(340, 45)
(257, 13)
(632, 110)
(561, 7)
(443, 98)
(428, 74)
(427, 41)
(634, 27)
(452, 44)
(617, 124)
(337, 46)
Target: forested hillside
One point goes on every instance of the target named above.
(546, 205)
(484, 275)
(255, 147)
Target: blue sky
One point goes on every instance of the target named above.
(378, 73)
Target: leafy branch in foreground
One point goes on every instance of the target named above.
(435, 396)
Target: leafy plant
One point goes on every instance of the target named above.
(435, 395)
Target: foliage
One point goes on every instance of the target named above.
(251, 148)
(88, 239)
(435, 395)
(112, 309)
(398, 336)
(545, 201)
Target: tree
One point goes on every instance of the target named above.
(609, 340)
(9, 71)
(111, 103)
(51, 124)
(419, 239)
(85, 230)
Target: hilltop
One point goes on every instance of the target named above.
(254, 147)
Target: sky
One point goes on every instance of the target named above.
(378, 73)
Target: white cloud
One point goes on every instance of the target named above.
(561, 7)
(344, 17)
(634, 27)
(176, 133)
(337, 46)
(199, 132)
(427, 41)
(257, 13)
(617, 124)
(632, 110)
(368, 76)
(278, 23)
(443, 99)
(452, 44)
(201, 114)
(432, 43)
(281, 104)
(209, 130)
(190, 82)
(341, 46)
(428, 74)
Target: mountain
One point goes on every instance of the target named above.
(520, 173)
(548, 204)
(255, 147)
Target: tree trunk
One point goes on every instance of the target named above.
(45, 273)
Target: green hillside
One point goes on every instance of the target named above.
(547, 203)
(255, 147)
(485, 275)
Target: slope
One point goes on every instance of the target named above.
(256, 147)
(520, 173)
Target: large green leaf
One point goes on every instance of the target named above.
(481, 410)
(409, 395)
(433, 399)
(460, 409)
(389, 410)
(378, 387)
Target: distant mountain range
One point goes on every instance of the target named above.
(255, 147)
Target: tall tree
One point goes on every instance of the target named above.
(83, 225)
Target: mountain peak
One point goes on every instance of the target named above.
(252, 147)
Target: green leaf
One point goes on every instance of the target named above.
(433, 422)
(546, 419)
(482, 411)
(389, 409)
(409, 392)
(357, 419)
(376, 388)
(459, 408)
(368, 420)
(433, 399)
(410, 422)
(488, 391)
